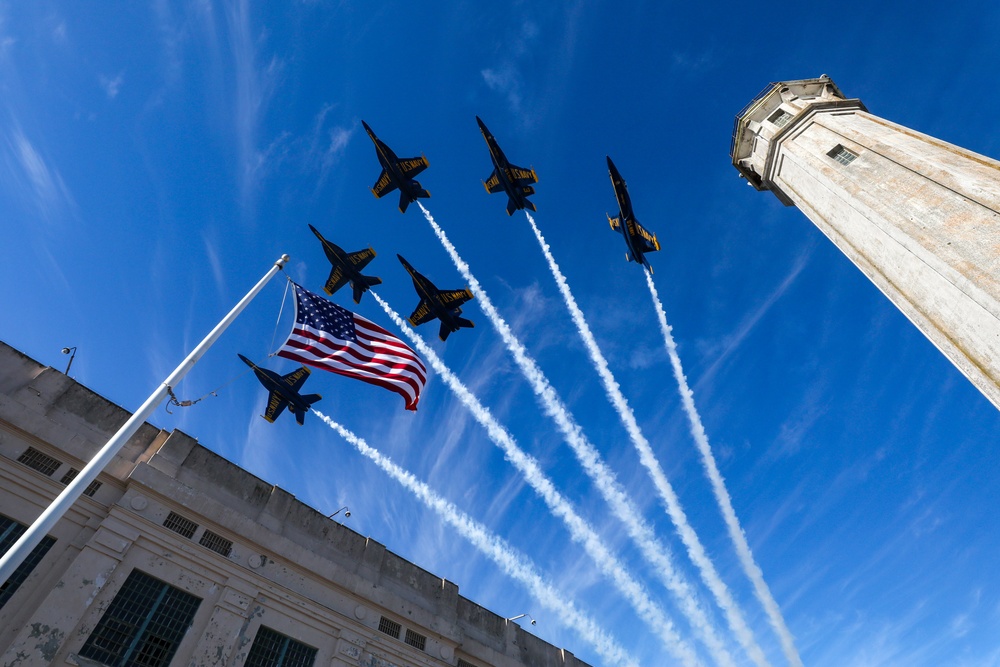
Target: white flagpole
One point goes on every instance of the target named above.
(48, 519)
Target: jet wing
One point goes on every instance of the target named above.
(275, 406)
(454, 298)
(412, 166)
(336, 280)
(383, 185)
(422, 314)
(521, 176)
(643, 237)
(493, 184)
(361, 258)
(296, 378)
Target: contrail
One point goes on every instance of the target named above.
(592, 463)
(515, 565)
(736, 534)
(711, 578)
(560, 507)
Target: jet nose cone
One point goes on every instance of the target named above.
(480, 121)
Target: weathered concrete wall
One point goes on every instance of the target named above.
(290, 568)
(920, 217)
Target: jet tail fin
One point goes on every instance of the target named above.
(404, 201)
(309, 399)
(511, 206)
(528, 204)
(362, 284)
(460, 322)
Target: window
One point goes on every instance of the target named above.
(71, 475)
(780, 117)
(273, 649)
(464, 663)
(144, 624)
(842, 155)
(36, 460)
(180, 525)
(10, 532)
(415, 640)
(216, 543)
(390, 628)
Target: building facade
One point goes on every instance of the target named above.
(175, 556)
(919, 216)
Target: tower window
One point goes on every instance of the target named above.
(842, 155)
(273, 649)
(144, 624)
(780, 118)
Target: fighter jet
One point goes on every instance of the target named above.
(434, 303)
(284, 391)
(397, 173)
(515, 181)
(347, 267)
(638, 240)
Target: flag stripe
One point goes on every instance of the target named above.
(396, 373)
(334, 339)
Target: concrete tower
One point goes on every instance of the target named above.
(919, 216)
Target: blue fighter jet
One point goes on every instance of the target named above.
(397, 173)
(515, 181)
(284, 391)
(444, 305)
(638, 240)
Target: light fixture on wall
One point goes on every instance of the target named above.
(71, 351)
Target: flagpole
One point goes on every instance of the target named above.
(48, 519)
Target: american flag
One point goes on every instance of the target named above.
(335, 339)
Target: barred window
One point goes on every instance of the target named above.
(842, 155)
(273, 649)
(144, 624)
(464, 663)
(389, 627)
(180, 525)
(216, 543)
(39, 461)
(415, 640)
(71, 475)
(10, 532)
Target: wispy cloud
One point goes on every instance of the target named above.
(254, 87)
(111, 85)
(327, 143)
(35, 182)
(732, 342)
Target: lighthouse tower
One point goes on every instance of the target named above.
(919, 216)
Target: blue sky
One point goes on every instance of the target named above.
(157, 157)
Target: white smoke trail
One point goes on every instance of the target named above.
(736, 534)
(714, 582)
(579, 530)
(515, 565)
(591, 461)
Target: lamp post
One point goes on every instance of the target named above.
(71, 351)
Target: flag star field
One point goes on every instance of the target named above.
(749, 457)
